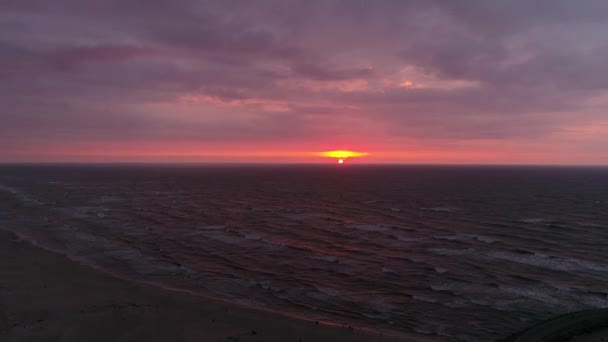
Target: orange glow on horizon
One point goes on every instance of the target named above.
(340, 154)
(193, 151)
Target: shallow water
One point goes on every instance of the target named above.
(464, 253)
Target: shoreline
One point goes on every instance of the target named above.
(580, 326)
(130, 309)
(44, 296)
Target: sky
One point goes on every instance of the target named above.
(472, 81)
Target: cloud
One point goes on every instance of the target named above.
(74, 57)
(73, 71)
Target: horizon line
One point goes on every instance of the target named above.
(193, 163)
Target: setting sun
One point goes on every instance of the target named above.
(340, 154)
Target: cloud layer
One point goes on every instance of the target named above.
(514, 81)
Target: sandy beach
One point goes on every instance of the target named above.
(582, 326)
(46, 297)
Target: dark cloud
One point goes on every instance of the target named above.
(320, 73)
(239, 70)
(72, 58)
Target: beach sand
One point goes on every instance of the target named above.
(46, 297)
(581, 326)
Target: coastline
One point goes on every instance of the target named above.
(46, 297)
(580, 326)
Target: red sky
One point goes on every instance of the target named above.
(408, 82)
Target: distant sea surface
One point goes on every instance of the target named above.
(455, 253)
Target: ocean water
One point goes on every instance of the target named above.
(449, 253)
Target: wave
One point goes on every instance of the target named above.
(466, 238)
(450, 251)
(20, 195)
(550, 262)
(389, 271)
(368, 227)
(533, 220)
(443, 209)
(395, 262)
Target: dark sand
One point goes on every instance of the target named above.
(582, 326)
(46, 297)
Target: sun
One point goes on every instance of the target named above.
(341, 155)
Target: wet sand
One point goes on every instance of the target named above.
(46, 297)
(582, 326)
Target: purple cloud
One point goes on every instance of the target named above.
(73, 71)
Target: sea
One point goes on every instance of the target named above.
(448, 253)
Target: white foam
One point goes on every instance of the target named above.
(593, 301)
(486, 239)
(511, 297)
(442, 209)
(554, 263)
(425, 299)
(591, 224)
(329, 258)
(58, 183)
(389, 271)
(9, 189)
(538, 294)
(253, 236)
(532, 220)
(325, 293)
(19, 194)
(381, 305)
(84, 211)
(440, 270)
